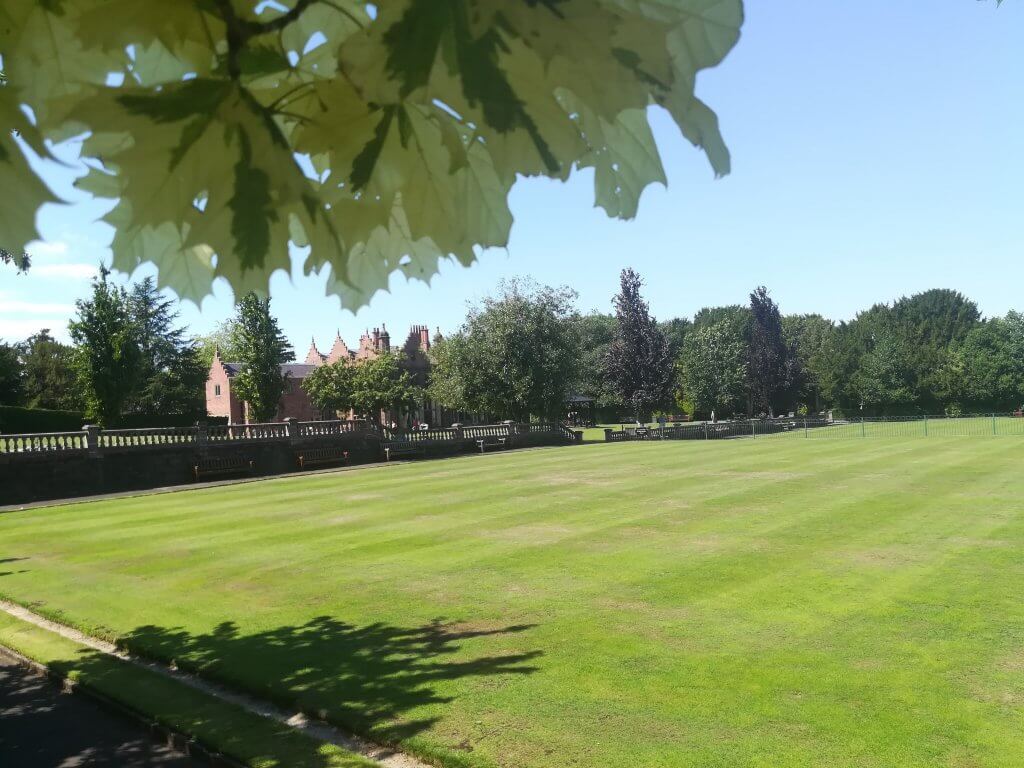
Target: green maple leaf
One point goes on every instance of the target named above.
(380, 144)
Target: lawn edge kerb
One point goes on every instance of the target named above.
(220, 732)
(414, 747)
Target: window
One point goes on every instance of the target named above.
(216, 390)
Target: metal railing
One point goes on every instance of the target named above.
(986, 425)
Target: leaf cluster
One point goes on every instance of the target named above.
(380, 138)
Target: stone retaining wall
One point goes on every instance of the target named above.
(95, 461)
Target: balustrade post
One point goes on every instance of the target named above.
(202, 434)
(92, 438)
(292, 425)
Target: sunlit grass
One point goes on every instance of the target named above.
(782, 602)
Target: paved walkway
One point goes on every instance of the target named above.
(43, 728)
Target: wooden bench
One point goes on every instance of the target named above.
(491, 441)
(402, 448)
(212, 466)
(316, 457)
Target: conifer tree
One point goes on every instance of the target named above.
(262, 349)
(768, 359)
(638, 364)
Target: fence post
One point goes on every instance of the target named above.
(926, 425)
(805, 428)
(753, 428)
(862, 432)
(993, 424)
(705, 430)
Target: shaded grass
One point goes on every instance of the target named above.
(753, 603)
(217, 725)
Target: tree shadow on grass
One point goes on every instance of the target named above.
(369, 679)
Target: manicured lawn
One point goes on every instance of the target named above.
(780, 602)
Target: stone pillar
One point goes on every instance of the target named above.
(202, 436)
(92, 438)
(292, 425)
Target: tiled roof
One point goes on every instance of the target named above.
(295, 370)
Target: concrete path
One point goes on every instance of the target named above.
(40, 727)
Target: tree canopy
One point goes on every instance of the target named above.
(261, 349)
(713, 371)
(49, 376)
(107, 355)
(638, 363)
(172, 373)
(382, 137)
(12, 388)
(516, 355)
(770, 366)
(330, 387)
(380, 383)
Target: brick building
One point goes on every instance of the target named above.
(413, 355)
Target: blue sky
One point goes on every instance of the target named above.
(877, 151)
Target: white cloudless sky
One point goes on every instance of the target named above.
(877, 151)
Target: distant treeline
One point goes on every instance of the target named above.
(929, 353)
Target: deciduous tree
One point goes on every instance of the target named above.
(813, 339)
(50, 380)
(380, 383)
(713, 370)
(12, 390)
(885, 381)
(985, 372)
(221, 340)
(516, 355)
(331, 387)
(107, 354)
(596, 333)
